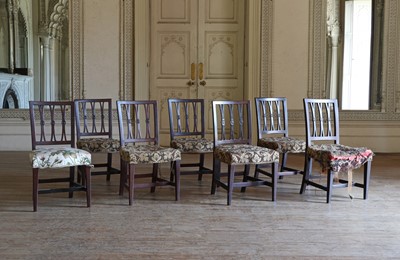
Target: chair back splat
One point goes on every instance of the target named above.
(322, 138)
(49, 123)
(138, 131)
(232, 145)
(187, 133)
(272, 116)
(322, 120)
(53, 146)
(94, 132)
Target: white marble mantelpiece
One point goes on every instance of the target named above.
(20, 84)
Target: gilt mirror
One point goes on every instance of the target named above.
(39, 46)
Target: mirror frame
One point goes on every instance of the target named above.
(75, 57)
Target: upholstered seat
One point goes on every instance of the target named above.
(193, 145)
(283, 144)
(98, 145)
(149, 154)
(339, 158)
(245, 154)
(59, 157)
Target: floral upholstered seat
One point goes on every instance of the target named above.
(149, 154)
(237, 154)
(193, 145)
(283, 144)
(339, 158)
(59, 157)
(98, 145)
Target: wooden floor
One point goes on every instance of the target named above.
(200, 226)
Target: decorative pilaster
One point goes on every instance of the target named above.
(126, 49)
(317, 49)
(267, 18)
(254, 32)
(333, 35)
(76, 59)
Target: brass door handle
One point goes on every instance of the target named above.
(201, 72)
(190, 83)
(203, 83)
(193, 71)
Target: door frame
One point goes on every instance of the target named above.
(252, 55)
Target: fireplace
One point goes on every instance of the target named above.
(15, 90)
(10, 99)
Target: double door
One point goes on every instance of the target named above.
(197, 51)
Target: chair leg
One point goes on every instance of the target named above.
(131, 169)
(109, 166)
(367, 174)
(71, 180)
(123, 176)
(329, 185)
(283, 163)
(172, 170)
(177, 180)
(216, 175)
(256, 167)
(79, 179)
(201, 166)
(275, 176)
(35, 181)
(154, 177)
(256, 174)
(245, 175)
(88, 183)
(231, 177)
(307, 173)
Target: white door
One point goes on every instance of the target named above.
(197, 51)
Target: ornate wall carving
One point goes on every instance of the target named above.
(56, 19)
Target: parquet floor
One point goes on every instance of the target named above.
(200, 226)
